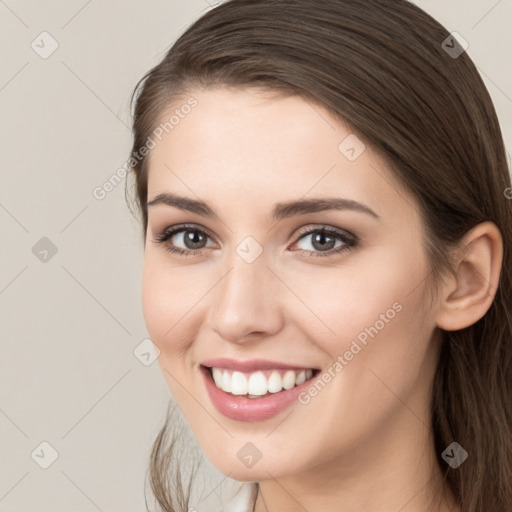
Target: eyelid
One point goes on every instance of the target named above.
(169, 231)
(324, 227)
(302, 231)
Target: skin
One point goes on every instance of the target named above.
(364, 442)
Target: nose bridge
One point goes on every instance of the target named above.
(246, 298)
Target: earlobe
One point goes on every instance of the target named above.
(468, 295)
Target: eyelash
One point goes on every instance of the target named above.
(349, 241)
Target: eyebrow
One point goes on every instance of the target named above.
(279, 211)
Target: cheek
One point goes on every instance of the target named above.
(354, 301)
(165, 305)
(379, 345)
(153, 301)
(161, 307)
(172, 302)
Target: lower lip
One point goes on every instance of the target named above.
(240, 408)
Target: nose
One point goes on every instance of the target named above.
(246, 302)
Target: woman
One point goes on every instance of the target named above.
(327, 275)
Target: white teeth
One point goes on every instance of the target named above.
(238, 384)
(289, 379)
(226, 381)
(256, 384)
(301, 377)
(217, 374)
(275, 383)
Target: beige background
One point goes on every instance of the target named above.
(70, 324)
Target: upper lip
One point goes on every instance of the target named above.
(250, 365)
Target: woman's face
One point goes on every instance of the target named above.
(258, 281)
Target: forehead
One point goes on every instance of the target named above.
(262, 147)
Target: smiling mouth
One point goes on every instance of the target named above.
(260, 383)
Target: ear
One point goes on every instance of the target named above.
(468, 295)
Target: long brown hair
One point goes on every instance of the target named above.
(385, 67)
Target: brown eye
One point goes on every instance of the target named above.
(193, 239)
(182, 239)
(323, 240)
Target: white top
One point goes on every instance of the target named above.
(241, 501)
